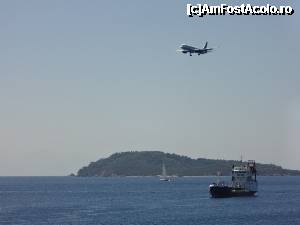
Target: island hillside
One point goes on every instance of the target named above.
(149, 163)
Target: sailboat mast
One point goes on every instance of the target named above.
(164, 173)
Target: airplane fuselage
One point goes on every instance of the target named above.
(190, 49)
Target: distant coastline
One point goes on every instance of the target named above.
(148, 164)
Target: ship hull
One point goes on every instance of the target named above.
(226, 191)
(220, 191)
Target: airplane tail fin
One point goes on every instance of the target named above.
(205, 46)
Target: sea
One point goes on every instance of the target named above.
(144, 200)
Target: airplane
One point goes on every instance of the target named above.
(186, 48)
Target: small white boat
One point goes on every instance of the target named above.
(164, 176)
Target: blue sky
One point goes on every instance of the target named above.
(82, 80)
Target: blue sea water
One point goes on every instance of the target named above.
(127, 201)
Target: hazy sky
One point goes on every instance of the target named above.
(80, 80)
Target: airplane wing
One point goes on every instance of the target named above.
(182, 50)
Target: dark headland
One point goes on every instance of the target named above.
(149, 163)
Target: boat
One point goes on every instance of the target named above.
(163, 176)
(243, 182)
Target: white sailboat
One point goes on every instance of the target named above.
(164, 176)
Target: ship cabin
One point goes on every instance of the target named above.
(244, 176)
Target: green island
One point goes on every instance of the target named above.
(149, 163)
